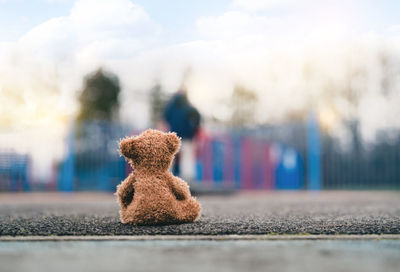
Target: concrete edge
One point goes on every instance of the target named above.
(267, 237)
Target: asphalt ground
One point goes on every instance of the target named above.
(299, 213)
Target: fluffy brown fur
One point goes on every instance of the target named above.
(151, 195)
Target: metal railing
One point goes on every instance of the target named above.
(290, 156)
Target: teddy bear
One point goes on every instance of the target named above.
(151, 195)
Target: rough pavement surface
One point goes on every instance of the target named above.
(245, 213)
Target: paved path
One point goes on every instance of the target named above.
(194, 255)
(240, 214)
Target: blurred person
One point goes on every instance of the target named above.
(184, 119)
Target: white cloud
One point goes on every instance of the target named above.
(236, 24)
(257, 5)
(105, 28)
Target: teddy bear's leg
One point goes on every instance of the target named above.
(127, 216)
(139, 213)
(125, 192)
(188, 210)
(123, 216)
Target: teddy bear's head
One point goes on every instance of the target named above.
(153, 149)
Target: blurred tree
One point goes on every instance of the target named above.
(95, 134)
(99, 99)
(243, 104)
(157, 104)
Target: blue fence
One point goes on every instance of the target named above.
(14, 172)
(292, 156)
(93, 161)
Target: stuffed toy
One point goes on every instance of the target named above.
(151, 195)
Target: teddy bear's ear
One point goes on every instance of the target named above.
(173, 142)
(127, 147)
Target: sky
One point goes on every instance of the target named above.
(178, 17)
(294, 55)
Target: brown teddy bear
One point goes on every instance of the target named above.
(151, 195)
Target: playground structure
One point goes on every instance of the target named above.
(223, 161)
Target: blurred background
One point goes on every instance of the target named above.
(300, 95)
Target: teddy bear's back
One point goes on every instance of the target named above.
(153, 198)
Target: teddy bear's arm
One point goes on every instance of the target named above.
(179, 188)
(125, 191)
